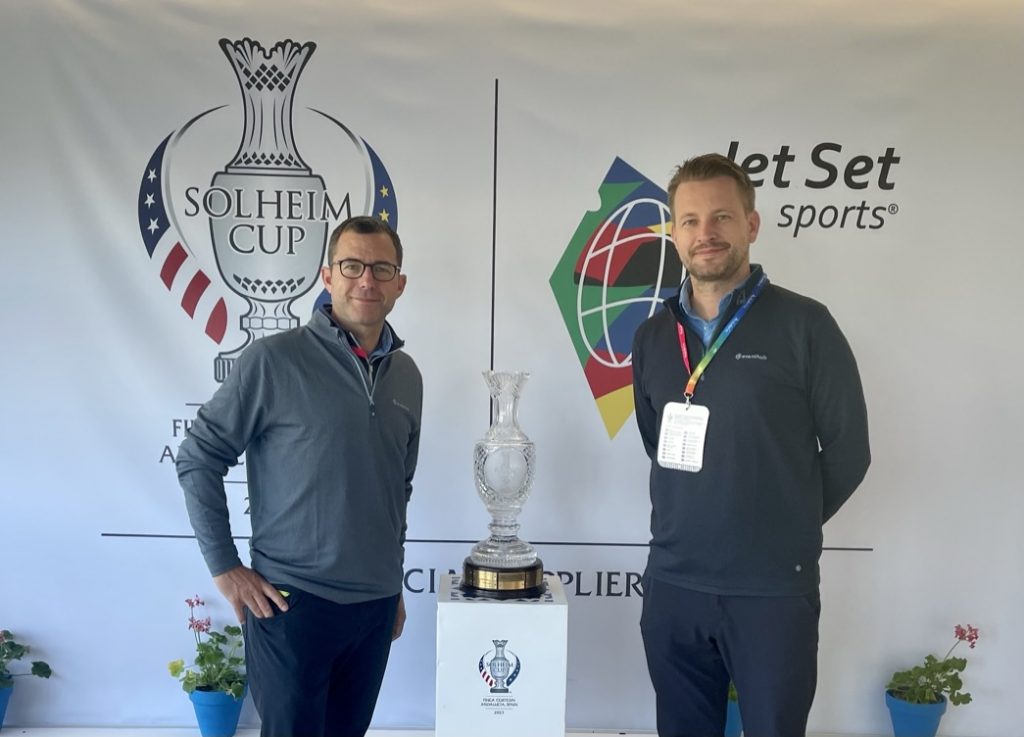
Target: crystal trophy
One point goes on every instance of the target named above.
(503, 566)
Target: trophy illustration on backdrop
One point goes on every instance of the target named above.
(503, 566)
(270, 255)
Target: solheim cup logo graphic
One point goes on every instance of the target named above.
(260, 226)
(619, 266)
(500, 670)
(260, 260)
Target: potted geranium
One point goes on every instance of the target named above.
(215, 683)
(733, 720)
(917, 697)
(11, 650)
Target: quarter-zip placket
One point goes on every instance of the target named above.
(365, 372)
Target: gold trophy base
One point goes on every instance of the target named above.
(525, 582)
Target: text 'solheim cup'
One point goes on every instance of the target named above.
(503, 566)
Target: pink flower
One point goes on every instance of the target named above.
(219, 661)
(966, 634)
(199, 625)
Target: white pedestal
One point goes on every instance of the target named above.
(530, 699)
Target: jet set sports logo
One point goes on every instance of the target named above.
(621, 262)
(238, 239)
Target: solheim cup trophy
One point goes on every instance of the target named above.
(503, 566)
(269, 245)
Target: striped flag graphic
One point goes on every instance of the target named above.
(483, 670)
(180, 271)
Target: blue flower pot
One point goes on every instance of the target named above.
(216, 712)
(733, 721)
(5, 696)
(914, 720)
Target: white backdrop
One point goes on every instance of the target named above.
(102, 365)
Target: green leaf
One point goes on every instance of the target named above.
(217, 638)
(219, 663)
(927, 683)
(41, 669)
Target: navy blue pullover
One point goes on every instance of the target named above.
(787, 444)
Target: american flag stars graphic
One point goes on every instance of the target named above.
(179, 270)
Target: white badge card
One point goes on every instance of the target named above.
(681, 441)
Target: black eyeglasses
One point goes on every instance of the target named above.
(353, 268)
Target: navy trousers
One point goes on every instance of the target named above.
(316, 669)
(696, 642)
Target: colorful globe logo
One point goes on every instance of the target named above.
(615, 272)
(629, 248)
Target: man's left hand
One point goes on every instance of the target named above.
(399, 619)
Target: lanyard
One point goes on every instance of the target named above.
(699, 371)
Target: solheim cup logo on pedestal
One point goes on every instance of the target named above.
(500, 670)
(619, 266)
(258, 224)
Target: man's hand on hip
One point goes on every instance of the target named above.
(243, 587)
(399, 619)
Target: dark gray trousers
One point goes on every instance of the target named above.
(696, 642)
(316, 670)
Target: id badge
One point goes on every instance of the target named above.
(681, 440)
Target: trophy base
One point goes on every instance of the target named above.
(523, 582)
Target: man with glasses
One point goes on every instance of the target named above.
(328, 415)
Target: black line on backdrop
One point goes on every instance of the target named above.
(158, 536)
(494, 233)
(562, 543)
